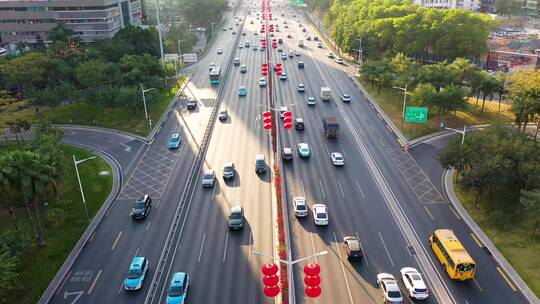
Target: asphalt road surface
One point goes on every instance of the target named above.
(382, 195)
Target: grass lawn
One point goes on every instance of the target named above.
(38, 266)
(94, 115)
(391, 101)
(510, 236)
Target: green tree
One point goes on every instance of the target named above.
(439, 75)
(26, 71)
(530, 200)
(508, 7)
(463, 70)
(8, 274)
(524, 90)
(6, 175)
(424, 95)
(93, 73)
(489, 86)
(60, 33)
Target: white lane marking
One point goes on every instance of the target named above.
(250, 246)
(303, 190)
(95, 281)
(78, 294)
(117, 239)
(363, 249)
(225, 249)
(429, 213)
(322, 189)
(136, 252)
(381, 142)
(341, 189)
(214, 192)
(343, 268)
(313, 246)
(326, 148)
(202, 246)
(360, 188)
(157, 205)
(387, 252)
(148, 226)
(343, 150)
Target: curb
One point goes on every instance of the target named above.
(516, 279)
(70, 260)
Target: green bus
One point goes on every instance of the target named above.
(215, 74)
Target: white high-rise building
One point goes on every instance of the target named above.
(471, 5)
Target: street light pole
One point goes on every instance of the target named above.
(149, 120)
(360, 52)
(76, 162)
(212, 29)
(159, 27)
(404, 101)
(290, 263)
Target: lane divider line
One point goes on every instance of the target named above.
(505, 277)
(386, 249)
(225, 248)
(363, 249)
(429, 212)
(477, 241)
(94, 283)
(117, 239)
(202, 246)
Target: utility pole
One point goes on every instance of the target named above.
(159, 27)
(76, 163)
(148, 120)
(404, 101)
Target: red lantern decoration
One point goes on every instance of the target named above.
(278, 73)
(265, 69)
(267, 126)
(278, 64)
(311, 269)
(287, 119)
(271, 291)
(264, 74)
(312, 280)
(313, 292)
(267, 114)
(288, 126)
(289, 114)
(269, 269)
(267, 120)
(271, 280)
(265, 65)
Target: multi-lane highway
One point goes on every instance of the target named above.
(381, 195)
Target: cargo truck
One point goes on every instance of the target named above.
(326, 93)
(330, 126)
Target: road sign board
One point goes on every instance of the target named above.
(416, 114)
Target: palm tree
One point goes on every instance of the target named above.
(463, 68)
(35, 175)
(6, 173)
(488, 87)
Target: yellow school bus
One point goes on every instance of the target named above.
(455, 259)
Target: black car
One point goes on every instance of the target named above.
(352, 245)
(316, 38)
(191, 104)
(299, 124)
(287, 154)
(141, 207)
(301, 64)
(236, 219)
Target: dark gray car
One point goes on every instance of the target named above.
(141, 207)
(236, 218)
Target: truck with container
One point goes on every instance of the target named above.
(330, 126)
(301, 43)
(326, 93)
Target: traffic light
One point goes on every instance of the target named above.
(312, 280)
(270, 280)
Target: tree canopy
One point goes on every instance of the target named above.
(393, 26)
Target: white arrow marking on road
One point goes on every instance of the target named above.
(77, 293)
(126, 147)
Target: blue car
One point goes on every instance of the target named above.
(174, 141)
(242, 91)
(303, 150)
(137, 272)
(178, 288)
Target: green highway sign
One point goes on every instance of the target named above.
(416, 114)
(296, 3)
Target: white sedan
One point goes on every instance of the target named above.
(389, 288)
(320, 215)
(414, 283)
(337, 159)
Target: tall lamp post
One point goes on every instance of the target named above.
(148, 119)
(76, 163)
(212, 29)
(457, 131)
(404, 101)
